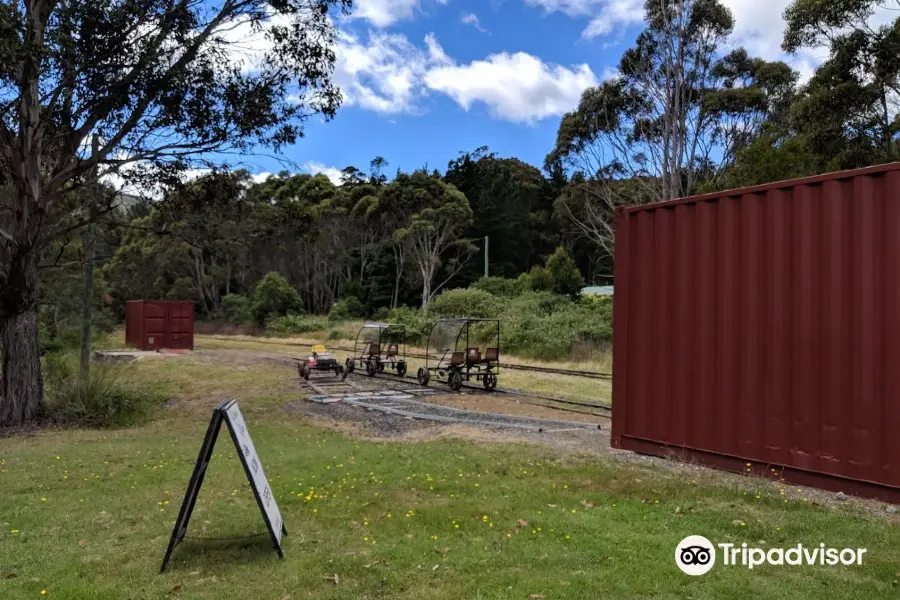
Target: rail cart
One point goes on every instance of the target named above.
(379, 346)
(454, 344)
(321, 360)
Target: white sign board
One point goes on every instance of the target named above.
(254, 469)
(229, 412)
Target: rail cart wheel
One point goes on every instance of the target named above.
(489, 380)
(455, 381)
(422, 376)
(340, 372)
(349, 366)
(380, 367)
(304, 371)
(371, 368)
(401, 368)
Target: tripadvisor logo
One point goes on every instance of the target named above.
(696, 555)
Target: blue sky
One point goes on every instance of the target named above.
(425, 79)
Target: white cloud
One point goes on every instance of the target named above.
(383, 13)
(314, 168)
(516, 87)
(605, 15)
(759, 24)
(613, 14)
(389, 74)
(472, 19)
(570, 7)
(385, 74)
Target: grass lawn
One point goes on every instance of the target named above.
(88, 514)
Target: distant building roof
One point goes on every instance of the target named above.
(598, 290)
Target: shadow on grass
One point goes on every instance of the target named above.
(194, 554)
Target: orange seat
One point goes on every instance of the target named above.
(491, 355)
(373, 350)
(457, 358)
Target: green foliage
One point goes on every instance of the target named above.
(470, 302)
(548, 327)
(502, 286)
(417, 323)
(294, 324)
(383, 313)
(540, 279)
(273, 297)
(512, 203)
(349, 307)
(106, 398)
(236, 309)
(566, 277)
(337, 334)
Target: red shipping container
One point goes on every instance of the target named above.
(160, 324)
(762, 326)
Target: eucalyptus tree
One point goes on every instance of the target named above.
(162, 86)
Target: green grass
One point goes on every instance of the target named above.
(92, 513)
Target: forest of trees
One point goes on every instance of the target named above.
(687, 113)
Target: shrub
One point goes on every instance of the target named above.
(382, 314)
(273, 297)
(294, 324)
(337, 334)
(501, 286)
(107, 397)
(417, 324)
(347, 308)
(540, 279)
(567, 279)
(548, 326)
(236, 309)
(467, 303)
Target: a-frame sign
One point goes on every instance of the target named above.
(228, 411)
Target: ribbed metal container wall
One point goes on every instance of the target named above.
(159, 324)
(762, 326)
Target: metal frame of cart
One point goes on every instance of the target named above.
(455, 365)
(374, 356)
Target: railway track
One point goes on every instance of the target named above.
(330, 386)
(515, 367)
(403, 403)
(585, 408)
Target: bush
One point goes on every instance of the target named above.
(337, 334)
(106, 398)
(502, 287)
(273, 297)
(467, 303)
(236, 309)
(567, 279)
(382, 314)
(540, 279)
(550, 327)
(347, 308)
(417, 324)
(294, 324)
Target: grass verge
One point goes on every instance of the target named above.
(87, 515)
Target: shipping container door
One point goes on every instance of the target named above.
(180, 334)
(155, 317)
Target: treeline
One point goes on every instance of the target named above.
(373, 242)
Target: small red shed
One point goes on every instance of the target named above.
(158, 324)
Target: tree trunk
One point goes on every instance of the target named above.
(21, 387)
